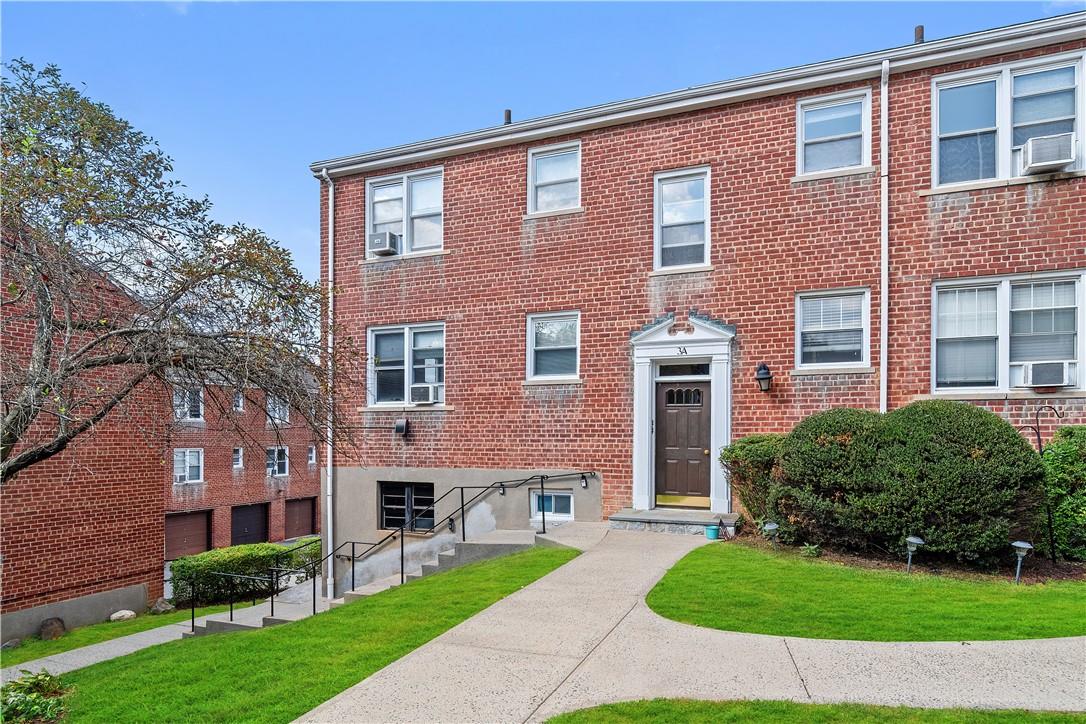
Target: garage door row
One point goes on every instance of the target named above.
(189, 533)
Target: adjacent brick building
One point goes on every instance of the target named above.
(600, 289)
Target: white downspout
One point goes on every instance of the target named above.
(329, 475)
(884, 233)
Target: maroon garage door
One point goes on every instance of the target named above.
(300, 517)
(187, 533)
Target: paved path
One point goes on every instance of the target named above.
(582, 636)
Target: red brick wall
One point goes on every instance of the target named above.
(770, 239)
(224, 487)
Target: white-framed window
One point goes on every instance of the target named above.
(311, 455)
(981, 118)
(833, 132)
(1005, 333)
(239, 401)
(554, 178)
(278, 410)
(406, 364)
(277, 461)
(558, 505)
(554, 346)
(188, 403)
(409, 205)
(681, 218)
(239, 458)
(833, 328)
(188, 465)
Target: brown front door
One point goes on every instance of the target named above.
(682, 444)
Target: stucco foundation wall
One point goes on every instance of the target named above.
(80, 611)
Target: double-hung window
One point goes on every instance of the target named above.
(984, 117)
(239, 401)
(188, 465)
(554, 178)
(188, 403)
(311, 455)
(554, 346)
(278, 411)
(833, 328)
(239, 458)
(277, 461)
(834, 132)
(1012, 332)
(681, 227)
(409, 206)
(407, 364)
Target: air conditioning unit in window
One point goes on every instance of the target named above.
(384, 243)
(1048, 153)
(424, 394)
(1046, 374)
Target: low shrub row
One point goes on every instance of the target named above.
(195, 576)
(956, 475)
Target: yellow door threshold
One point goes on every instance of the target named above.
(683, 501)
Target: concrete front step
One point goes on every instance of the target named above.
(672, 520)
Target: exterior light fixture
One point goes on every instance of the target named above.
(501, 489)
(452, 525)
(1021, 549)
(770, 530)
(912, 543)
(584, 480)
(763, 377)
(400, 426)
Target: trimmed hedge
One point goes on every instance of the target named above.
(955, 474)
(254, 559)
(750, 462)
(1065, 484)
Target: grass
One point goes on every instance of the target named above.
(735, 587)
(35, 648)
(672, 711)
(280, 673)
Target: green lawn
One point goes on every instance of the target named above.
(278, 674)
(35, 648)
(735, 587)
(673, 711)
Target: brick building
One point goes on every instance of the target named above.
(601, 289)
(242, 472)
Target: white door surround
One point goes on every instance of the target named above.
(707, 340)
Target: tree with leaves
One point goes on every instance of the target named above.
(114, 279)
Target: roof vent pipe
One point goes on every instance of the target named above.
(918, 34)
(508, 116)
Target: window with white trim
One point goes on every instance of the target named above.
(239, 458)
(556, 505)
(188, 403)
(833, 132)
(410, 206)
(188, 465)
(277, 461)
(278, 410)
(311, 455)
(681, 213)
(554, 178)
(1007, 333)
(239, 401)
(983, 117)
(833, 328)
(407, 364)
(554, 345)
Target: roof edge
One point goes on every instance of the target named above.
(1022, 36)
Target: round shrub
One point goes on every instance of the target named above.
(750, 461)
(197, 572)
(1065, 485)
(960, 477)
(826, 469)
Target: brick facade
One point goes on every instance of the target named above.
(771, 238)
(224, 486)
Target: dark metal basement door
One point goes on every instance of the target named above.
(682, 444)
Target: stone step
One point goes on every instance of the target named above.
(214, 626)
(672, 520)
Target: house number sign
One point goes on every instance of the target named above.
(682, 350)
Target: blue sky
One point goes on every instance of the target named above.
(245, 95)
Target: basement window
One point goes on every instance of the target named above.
(557, 505)
(407, 504)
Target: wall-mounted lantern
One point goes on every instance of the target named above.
(763, 377)
(584, 480)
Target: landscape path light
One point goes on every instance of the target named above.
(1021, 549)
(770, 529)
(912, 542)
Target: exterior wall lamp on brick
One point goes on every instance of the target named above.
(763, 377)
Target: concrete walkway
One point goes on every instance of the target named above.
(583, 636)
